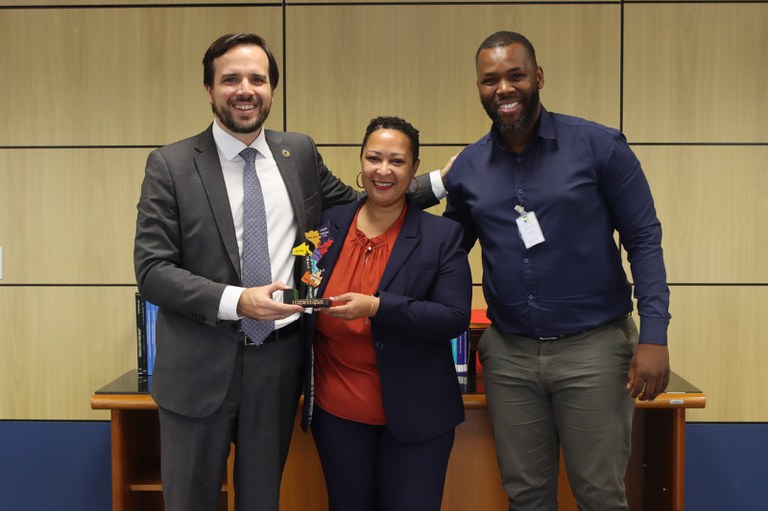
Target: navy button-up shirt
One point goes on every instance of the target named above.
(584, 184)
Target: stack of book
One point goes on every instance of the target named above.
(146, 317)
(459, 347)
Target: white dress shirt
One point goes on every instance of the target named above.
(281, 219)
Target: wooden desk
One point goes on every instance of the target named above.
(654, 477)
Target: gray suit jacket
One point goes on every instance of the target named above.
(186, 253)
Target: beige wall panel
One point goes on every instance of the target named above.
(69, 216)
(696, 72)
(712, 202)
(347, 64)
(59, 344)
(717, 342)
(115, 76)
(289, 2)
(478, 300)
(86, 3)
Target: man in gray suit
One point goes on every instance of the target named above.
(214, 384)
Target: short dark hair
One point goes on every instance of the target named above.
(505, 38)
(228, 41)
(393, 123)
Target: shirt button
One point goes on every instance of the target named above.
(518, 159)
(526, 260)
(520, 191)
(379, 345)
(530, 297)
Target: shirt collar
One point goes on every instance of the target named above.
(230, 147)
(546, 129)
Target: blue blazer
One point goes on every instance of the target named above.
(425, 300)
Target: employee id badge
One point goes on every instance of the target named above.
(528, 227)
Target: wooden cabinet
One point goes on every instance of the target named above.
(135, 432)
(654, 477)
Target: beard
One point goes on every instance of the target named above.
(529, 109)
(235, 126)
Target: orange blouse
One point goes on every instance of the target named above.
(346, 377)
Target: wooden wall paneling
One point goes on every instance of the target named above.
(27, 3)
(91, 3)
(717, 342)
(115, 76)
(131, 75)
(696, 72)
(321, 2)
(478, 300)
(347, 64)
(69, 215)
(712, 202)
(58, 344)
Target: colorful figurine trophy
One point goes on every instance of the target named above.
(313, 276)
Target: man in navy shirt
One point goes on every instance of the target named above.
(544, 193)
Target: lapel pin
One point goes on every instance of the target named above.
(286, 153)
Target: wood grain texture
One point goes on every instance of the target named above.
(115, 76)
(83, 78)
(696, 72)
(99, 3)
(73, 215)
(351, 2)
(417, 62)
(717, 340)
(712, 203)
(58, 345)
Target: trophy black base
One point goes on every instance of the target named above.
(289, 298)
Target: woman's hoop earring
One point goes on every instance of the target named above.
(357, 179)
(411, 189)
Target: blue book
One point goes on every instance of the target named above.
(459, 350)
(141, 337)
(461, 354)
(151, 319)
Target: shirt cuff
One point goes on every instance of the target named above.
(653, 330)
(437, 184)
(228, 303)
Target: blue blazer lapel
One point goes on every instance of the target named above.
(338, 224)
(209, 168)
(406, 243)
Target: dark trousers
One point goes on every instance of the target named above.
(257, 414)
(367, 470)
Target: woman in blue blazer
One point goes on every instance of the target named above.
(386, 395)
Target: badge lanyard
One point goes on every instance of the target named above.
(528, 227)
